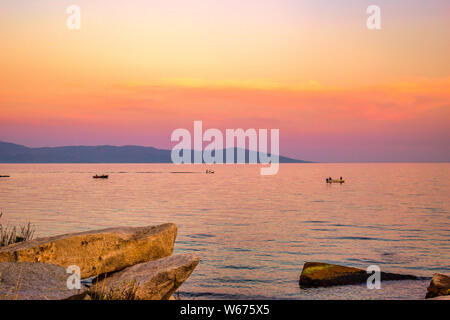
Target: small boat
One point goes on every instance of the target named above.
(329, 180)
(103, 176)
(4, 176)
(209, 171)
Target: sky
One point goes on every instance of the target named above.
(138, 69)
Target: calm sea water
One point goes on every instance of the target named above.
(252, 232)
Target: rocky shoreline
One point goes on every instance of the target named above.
(319, 274)
(136, 263)
(122, 263)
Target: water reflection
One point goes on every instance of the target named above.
(254, 232)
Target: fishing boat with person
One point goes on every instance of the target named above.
(103, 176)
(330, 180)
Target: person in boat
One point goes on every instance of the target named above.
(341, 178)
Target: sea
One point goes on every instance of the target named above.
(253, 233)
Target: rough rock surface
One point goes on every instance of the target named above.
(34, 281)
(98, 251)
(154, 280)
(317, 274)
(439, 286)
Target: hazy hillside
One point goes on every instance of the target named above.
(13, 153)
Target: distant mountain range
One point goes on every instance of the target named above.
(14, 153)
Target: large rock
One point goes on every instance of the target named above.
(154, 280)
(439, 286)
(34, 281)
(98, 251)
(317, 274)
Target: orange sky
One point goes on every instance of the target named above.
(135, 71)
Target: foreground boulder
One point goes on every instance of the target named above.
(97, 252)
(34, 281)
(154, 280)
(317, 274)
(439, 286)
